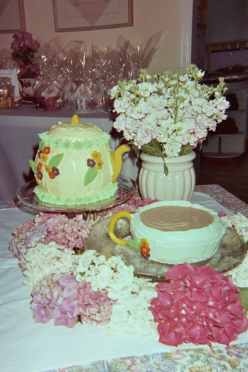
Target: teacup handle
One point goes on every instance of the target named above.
(111, 227)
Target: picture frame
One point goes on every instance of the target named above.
(12, 16)
(11, 74)
(86, 15)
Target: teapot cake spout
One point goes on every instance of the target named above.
(117, 160)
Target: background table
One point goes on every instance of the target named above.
(27, 346)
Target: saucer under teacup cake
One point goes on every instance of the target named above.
(172, 232)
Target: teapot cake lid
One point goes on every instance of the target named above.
(74, 132)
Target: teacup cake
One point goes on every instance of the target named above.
(173, 232)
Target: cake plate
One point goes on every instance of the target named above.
(28, 201)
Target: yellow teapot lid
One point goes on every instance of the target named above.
(75, 119)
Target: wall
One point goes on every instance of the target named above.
(170, 17)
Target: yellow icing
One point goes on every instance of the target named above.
(75, 120)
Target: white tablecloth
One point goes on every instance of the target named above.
(27, 346)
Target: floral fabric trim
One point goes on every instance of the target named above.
(202, 359)
(225, 198)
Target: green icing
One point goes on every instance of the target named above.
(134, 244)
(48, 139)
(106, 194)
(41, 145)
(90, 175)
(55, 160)
(78, 145)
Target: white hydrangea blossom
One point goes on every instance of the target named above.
(46, 259)
(132, 295)
(130, 313)
(172, 108)
(111, 274)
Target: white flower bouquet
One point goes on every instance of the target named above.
(168, 114)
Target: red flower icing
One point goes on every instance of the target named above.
(196, 304)
(144, 248)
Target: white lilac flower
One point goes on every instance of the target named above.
(171, 108)
(146, 89)
(122, 105)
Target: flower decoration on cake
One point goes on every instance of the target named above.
(144, 248)
(44, 152)
(196, 304)
(47, 162)
(140, 245)
(97, 157)
(94, 163)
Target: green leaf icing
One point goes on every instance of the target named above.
(32, 165)
(55, 160)
(134, 244)
(41, 145)
(90, 176)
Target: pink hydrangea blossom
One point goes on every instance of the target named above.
(23, 238)
(132, 204)
(69, 233)
(196, 304)
(67, 302)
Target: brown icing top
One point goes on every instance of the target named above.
(175, 218)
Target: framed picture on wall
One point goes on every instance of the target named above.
(12, 17)
(83, 15)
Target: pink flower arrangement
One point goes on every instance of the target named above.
(24, 47)
(67, 301)
(69, 233)
(21, 241)
(196, 304)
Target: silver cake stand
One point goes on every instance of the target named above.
(27, 200)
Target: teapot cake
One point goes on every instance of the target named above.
(74, 165)
(172, 232)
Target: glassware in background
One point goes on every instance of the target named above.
(6, 93)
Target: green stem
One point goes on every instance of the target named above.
(176, 100)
